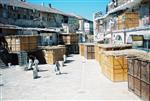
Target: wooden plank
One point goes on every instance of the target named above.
(137, 68)
(137, 84)
(145, 71)
(145, 91)
(130, 82)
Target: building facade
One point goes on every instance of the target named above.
(124, 18)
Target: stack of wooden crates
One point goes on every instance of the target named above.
(17, 43)
(139, 76)
(128, 20)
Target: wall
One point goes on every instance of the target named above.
(81, 25)
(29, 18)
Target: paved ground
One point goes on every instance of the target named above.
(79, 80)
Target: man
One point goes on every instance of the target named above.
(35, 69)
(57, 68)
(30, 64)
(36, 62)
(64, 58)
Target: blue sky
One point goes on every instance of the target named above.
(85, 8)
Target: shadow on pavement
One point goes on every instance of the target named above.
(43, 70)
(63, 73)
(69, 61)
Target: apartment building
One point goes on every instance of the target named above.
(124, 18)
(21, 17)
(85, 29)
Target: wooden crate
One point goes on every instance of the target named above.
(89, 51)
(131, 20)
(145, 91)
(53, 54)
(114, 67)
(139, 75)
(18, 43)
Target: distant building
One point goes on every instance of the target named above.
(85, 28)
(21, 17)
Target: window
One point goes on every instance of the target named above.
(18, 16)
(5, 13)
(24, 17)
(31, 17)
(65, 19)
(0, 30)
(50, 37)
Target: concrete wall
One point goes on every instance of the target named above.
(29, 18)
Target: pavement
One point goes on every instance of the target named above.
(81, 79)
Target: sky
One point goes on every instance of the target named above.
(84, 8)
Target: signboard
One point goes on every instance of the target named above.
(137, 40)
(137, 37)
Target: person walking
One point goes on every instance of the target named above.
(36, 62)
(35, 69)
(30, 64)
(35, 73)
(64, 58)
(57, 68)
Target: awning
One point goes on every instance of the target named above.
(7, 26)
(43, 29)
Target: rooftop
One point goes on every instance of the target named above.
(27, 5)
